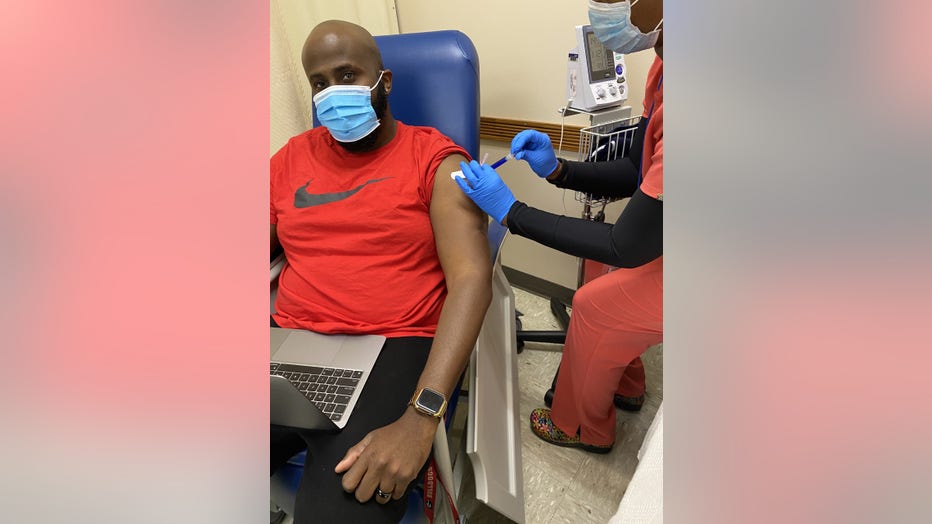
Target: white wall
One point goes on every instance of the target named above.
(522, 49)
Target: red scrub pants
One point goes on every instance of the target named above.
(615, 318)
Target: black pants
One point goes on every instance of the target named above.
(320, 495)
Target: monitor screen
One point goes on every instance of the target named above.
(601, 60)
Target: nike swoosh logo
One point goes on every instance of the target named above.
(302, 198)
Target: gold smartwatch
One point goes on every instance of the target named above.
(429, 402)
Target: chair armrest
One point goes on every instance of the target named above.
(493, 426)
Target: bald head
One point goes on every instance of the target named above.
(336, 42)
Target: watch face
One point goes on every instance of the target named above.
(430, 400)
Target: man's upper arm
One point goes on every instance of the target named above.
(460, 227)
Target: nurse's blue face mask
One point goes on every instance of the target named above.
(612, 25)
(346, 111)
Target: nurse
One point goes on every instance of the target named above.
(617, 316)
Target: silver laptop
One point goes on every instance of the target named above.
(316, 379)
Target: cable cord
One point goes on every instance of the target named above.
(560, 145)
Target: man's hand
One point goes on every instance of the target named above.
(388, 458)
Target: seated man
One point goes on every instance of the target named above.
(379, 240)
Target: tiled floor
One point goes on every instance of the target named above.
(566, 485)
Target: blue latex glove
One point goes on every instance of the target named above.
(534, 147)
(486, 189)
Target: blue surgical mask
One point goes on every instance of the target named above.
(612, 25)
(346, 111)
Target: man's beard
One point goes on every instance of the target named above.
(367, 143)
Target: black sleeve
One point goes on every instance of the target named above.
(615, 178)
(635, 239)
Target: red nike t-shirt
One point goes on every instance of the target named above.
(356, 231)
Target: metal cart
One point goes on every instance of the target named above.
(600, 143)
(609, 136)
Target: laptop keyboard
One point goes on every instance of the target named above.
(330, 389)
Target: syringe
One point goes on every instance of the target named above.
(502, 160)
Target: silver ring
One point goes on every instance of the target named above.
(381, 494)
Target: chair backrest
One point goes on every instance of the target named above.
(435, 83)
(496, 237)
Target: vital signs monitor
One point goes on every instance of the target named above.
(596, 76)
